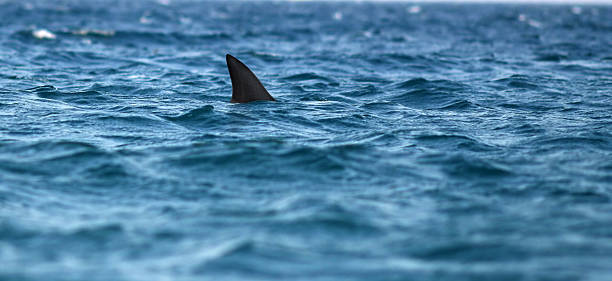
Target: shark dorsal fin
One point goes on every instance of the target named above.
(245, 85)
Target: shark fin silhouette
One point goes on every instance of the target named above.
(245, 85)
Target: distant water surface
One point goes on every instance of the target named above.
(410, 142)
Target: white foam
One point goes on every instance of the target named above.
(43, 34)
(145, 20)
(338, 16)
(534, 23)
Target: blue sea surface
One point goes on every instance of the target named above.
(409, 141)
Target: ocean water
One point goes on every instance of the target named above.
(409, 141)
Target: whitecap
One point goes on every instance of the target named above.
(338, 16)
(145, 20)
(534, 23)
(43, 34)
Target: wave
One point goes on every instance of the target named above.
(451, 142)
(308, 76)
(81, 98)
(467, 167)
(519, 82)
(437, 94)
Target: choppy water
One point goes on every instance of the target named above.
(429, 142)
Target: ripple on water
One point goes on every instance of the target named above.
(369, 92)
(572, 142)
(451, 142)
(311, 77)
(197, 115)
(467, 166)
(438, 94)
(81, 98)
(63, 161)
(518, 81)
